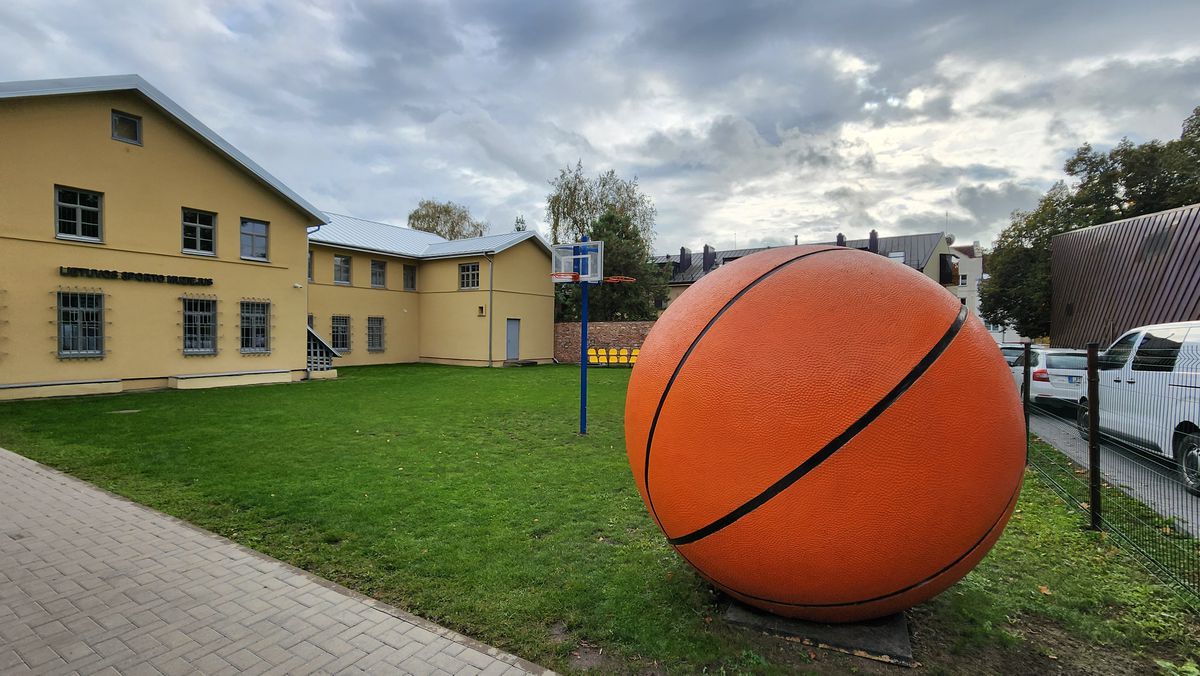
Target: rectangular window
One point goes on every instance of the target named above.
(339, 334)
(80, 324)
(126, 127)
(341, 269)
(310, 257)
(1159, 350)
(199, 232)
(379, 274)
(410, 278)
(962, 280)
(374, 334)
(199, 326)
(256, 327)
(310, 324)
(78, 213)
(254, 239)
(468, 275)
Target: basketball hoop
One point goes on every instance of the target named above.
(564, 276)
(617, 279)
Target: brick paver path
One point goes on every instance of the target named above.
(93, 583)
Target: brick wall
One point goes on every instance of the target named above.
(600, 334)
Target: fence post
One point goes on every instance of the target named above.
(1025, 399)
(1093, 419)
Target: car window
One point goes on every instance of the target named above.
(1114, 357)
(1158, 350)
(1034, 359)
(1076, 362)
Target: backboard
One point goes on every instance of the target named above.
(583, 258)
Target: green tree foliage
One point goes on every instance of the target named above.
(1129, 180)
(626, 253)
(576, 202)
(519, 224)
(450, 220)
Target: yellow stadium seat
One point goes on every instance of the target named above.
(592, 359)
(623, 356)
(634, 355)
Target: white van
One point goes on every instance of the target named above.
(1150, 394)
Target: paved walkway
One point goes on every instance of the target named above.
(92, 583)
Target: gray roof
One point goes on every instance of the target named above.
(357, 233)
(112, 83)
(917, 250)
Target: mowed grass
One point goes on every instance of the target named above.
(466, 496)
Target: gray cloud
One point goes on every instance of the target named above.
(769, 119)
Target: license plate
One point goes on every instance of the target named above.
(1074, 379)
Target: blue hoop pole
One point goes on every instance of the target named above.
(583, 346)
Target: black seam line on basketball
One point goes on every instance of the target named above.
(834, 444)
(678, 367)
(1007, 506)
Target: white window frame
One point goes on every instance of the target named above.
(468, 272)
(334, 332)
(375, 334)
(254, 238)
(349, 266)
(382, 269)
(212, 235)
(79, 209)
(199, 314)
(962, 280)
(137, 121)
(254, 315)
(76, 314)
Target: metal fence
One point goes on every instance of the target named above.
(1116, 434)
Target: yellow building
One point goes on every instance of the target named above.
(138, 249)
(381, 293)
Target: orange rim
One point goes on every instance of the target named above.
(619, 278)
(568, 276)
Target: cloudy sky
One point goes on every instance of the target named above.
(755, 121)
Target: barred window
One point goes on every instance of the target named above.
(379, 273)
(410, 278)
(199, 231)
(310, 257)
(341, 269)
(199, 326)
(80, 324)
(374, 334)
(78, 213)
(468, 275)
(340, 333)
(254, 239)
(256, 322)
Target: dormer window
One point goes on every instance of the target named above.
(126, 127)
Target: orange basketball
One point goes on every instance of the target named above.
(825, 433)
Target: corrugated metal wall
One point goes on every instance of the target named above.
(1110, 278)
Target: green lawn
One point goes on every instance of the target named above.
(465, 496)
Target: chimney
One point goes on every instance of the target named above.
(841, 239)
(685, 259)
(977, 250)
(873, 242)
(710, 258)
(795, 240)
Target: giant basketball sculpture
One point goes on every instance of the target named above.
(825, 433)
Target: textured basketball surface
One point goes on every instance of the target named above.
(825, 433)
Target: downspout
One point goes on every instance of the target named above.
(491, 310)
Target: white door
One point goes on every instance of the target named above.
(1150, 401)
(1114, 365)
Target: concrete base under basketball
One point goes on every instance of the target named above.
(884, 639)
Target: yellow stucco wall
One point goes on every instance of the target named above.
(66, 141)
(401, 310)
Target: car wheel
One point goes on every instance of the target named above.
(1188, 456)
(1081, 420)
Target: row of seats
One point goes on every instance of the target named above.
(612, 356)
